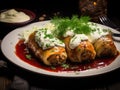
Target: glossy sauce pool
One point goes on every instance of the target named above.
(23, 53)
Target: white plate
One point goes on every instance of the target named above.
(8, 49)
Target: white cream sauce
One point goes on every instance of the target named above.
(96, 35)
(76, 39)
(13, 16)
(68, 33)
(45, 39)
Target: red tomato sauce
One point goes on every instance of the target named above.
(23, 53)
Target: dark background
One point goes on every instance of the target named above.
(65, 6)
(42, 6)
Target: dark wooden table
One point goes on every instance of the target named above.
(14, 77)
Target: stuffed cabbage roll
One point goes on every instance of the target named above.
(79, 49)
(105, 46)
(48, 49)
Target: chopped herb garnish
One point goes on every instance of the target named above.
(47, 45)
(65, 66)
(49, 36)
(106, 30)
(28, 56)
(76, 24)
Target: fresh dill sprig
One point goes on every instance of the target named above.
(78, 25)
(61, 25)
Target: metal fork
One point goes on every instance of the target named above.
(106, 21)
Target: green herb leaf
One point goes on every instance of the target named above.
(78, 25)
(28, 56)
(65, 66)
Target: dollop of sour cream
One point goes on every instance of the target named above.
(68, 33)
(76, 39)
(45, 39)
(13, 16)
(92, 37)
(97, 34)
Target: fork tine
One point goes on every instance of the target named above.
(102, 20)
(106, 21)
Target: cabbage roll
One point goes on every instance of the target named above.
(54, 55)
(83, 51)
(105, 46)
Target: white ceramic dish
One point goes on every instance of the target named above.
(8, 49)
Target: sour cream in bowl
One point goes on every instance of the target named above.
(16, 17)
